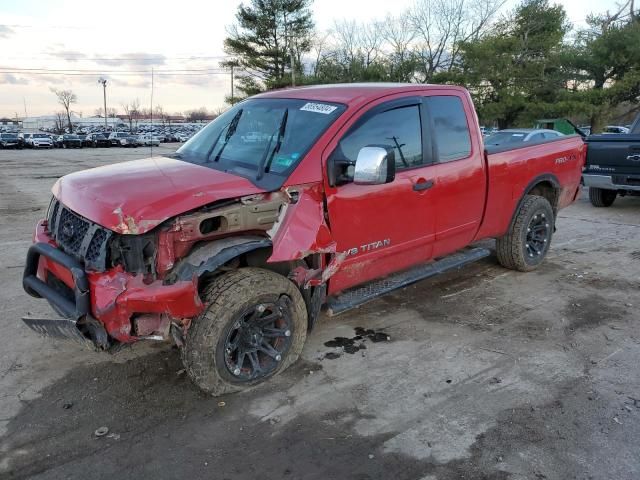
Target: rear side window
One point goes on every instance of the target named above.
(536, 137)
(398, 129)
(450, 129)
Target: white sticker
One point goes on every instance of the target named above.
(318, 108)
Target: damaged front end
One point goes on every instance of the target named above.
(115, 286)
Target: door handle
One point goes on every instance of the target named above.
(424, 185)
(634, 158)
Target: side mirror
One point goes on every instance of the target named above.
(374, 166)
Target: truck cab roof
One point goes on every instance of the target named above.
(353, 93)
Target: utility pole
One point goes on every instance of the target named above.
(103, 81)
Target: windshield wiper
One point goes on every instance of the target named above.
(233, 125)
(265, 163)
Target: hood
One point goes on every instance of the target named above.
(135, 197)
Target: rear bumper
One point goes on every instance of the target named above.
(606, 182)
(126, 306)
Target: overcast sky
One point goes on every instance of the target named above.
(131, 36)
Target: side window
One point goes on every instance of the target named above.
(536, 138)
(550, 135)
(450, 129)
(398, 129)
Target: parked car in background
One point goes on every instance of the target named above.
(57, 141)
(39, 140)
(98, 140)
(521, 135)
(123, 139)
(148, 140)
(70, 140)
(86, 142)
(615, 129)
(9, 140)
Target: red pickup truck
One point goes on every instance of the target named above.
(290, 201)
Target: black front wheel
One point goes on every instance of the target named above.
(527, 242)
(254, 327)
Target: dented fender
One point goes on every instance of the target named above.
(301, 230)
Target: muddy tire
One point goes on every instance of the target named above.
(526, 244)
(253, 328)
(599, 197)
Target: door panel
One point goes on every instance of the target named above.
(389, 227)
(459, 176)
(384, 228)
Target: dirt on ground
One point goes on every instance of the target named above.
(482, 373)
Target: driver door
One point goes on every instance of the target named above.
(388, 227)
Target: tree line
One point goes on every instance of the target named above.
(520, 65)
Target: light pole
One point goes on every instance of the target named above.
(103, 81)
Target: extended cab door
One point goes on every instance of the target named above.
(458, 174)
(389, 227)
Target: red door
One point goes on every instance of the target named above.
(459, 174)
(389, 227)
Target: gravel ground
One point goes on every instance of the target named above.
(487, 374)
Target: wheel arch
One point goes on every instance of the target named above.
(209, 259)
(547, 186)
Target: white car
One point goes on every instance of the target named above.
(615, 129)
(149, 140)
(38, 140)
(521, 135)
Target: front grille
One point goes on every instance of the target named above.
(79, 237)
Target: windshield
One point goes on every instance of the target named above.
(40, 135)
(501, 138)
(261, 139)
(9, 136)
(71, 137)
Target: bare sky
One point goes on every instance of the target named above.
(132, 36)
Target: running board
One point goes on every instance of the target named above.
(359, 295)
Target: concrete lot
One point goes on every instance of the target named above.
(488, 374)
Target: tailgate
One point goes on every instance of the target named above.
(616, 153)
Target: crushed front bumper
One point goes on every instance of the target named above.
(102, 306)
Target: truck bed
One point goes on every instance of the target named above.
(513, 170)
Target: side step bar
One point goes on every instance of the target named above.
(359, 295)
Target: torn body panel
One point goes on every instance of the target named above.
(301, 229)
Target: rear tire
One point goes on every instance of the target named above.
(253, 328)
(599, 197)
(527, 242)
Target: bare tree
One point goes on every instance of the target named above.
(442, 26)
(99, 112)
(131, 111)
(160, 114)
(112, 112)
(66, 98)
(58, 123)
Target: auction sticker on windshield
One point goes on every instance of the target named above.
(318, 108)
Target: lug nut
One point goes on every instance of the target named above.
(287, 333)
(261, 308)
(278, 358)
(236, 372)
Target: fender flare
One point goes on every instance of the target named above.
(210, 256)
(546, 177)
